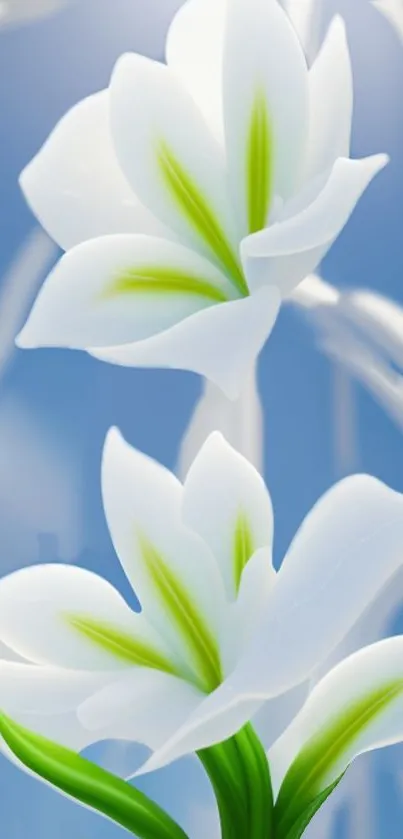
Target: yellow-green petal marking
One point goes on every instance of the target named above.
(309, 774)
(259, 164)
(154, 279)
(200, 216)
(184, 615)
(242, 547)
(122, 645)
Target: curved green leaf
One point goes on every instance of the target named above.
(89, 784)
(300, 826)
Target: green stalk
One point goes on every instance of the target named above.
(239, 773)
(89, 784)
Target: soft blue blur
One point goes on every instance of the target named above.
(56, 406)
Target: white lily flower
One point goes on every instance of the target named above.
(196, 616)
(220, 635)
(192, 197)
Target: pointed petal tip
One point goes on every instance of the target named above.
(381, 160)
(125, 65)
(24, 341)
(338, 24)
(114, 442)
(113, 435)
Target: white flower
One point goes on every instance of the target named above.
(221, 638)
(190, 195)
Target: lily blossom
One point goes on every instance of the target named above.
(221, 638)
(158, 665)
(192, 197)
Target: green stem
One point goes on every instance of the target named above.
(240, 776)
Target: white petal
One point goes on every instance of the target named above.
(257, 587)
(287, 251)
(330, 102)
(194, 51)
(306, 17)
(265, 87)
(356, 708)
(172, 161)
(119, 289)
(220, 343)
(74, 185)
(376, 623)
(146, 705)
(204, 727)
(345, 552)
(239, 420)
(37, 605)
(171, 570)
(225, 500)
(30, 689)
(276, 714)
(45, 700)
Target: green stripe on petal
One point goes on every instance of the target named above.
(199, 215)
(123, 646)
(156, 280)
(259, 164)
(322, 756)
(184, 614)
(243, 547)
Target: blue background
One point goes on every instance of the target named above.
(56, 406)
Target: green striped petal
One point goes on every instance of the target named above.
(259, 164)
(194, 206)
(125, 647)
(358, 706)
(172, 161)
(88, 784)
(243, 547)
(183, 613)
(154, 279)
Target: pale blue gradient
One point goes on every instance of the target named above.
(56, 406)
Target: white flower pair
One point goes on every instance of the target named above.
(191, 199)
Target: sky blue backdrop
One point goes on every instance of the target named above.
(71, 400)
